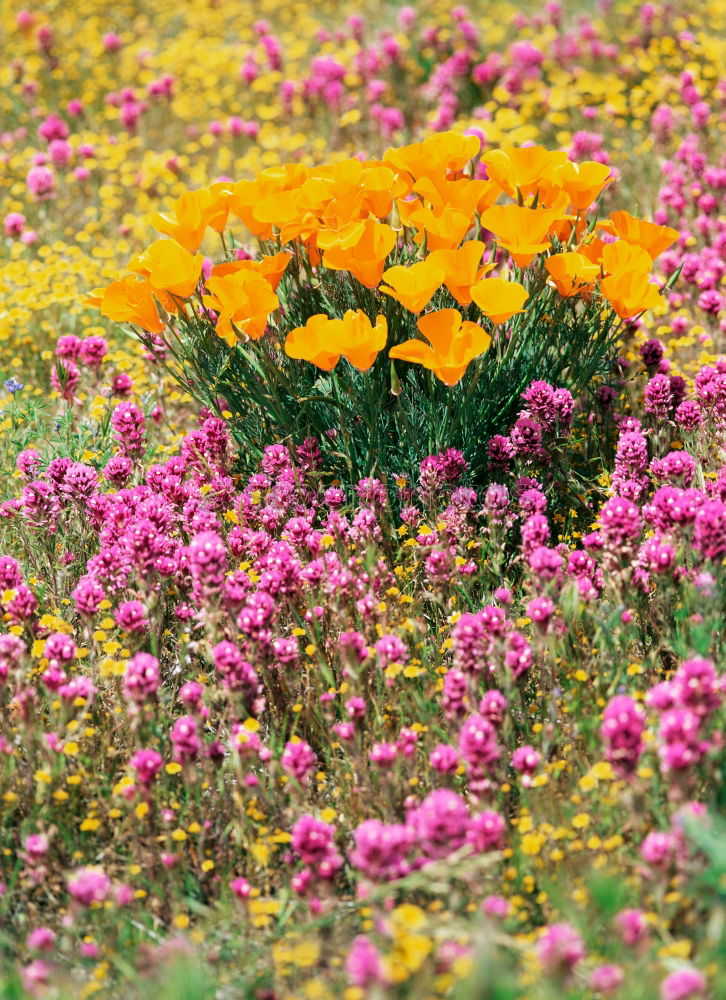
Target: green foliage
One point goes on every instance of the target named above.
(388, 419)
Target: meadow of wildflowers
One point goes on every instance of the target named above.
(363, 500)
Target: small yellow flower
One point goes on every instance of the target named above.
(532, 843)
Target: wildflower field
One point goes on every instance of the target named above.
(363, 500)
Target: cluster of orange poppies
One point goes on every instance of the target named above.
(353, 215)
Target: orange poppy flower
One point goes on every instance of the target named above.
(406, 208)
(193, 212)
(562, 227)
(361, 342)
(244, 299)
(488, 192)
(271, 267)
(323, 341)
(498, 299)
(523, 170)
(171, 268)
(434, 156)
(444, 229)
(452, 345)
(218, 210)
(247, 195)
(344, 238)
(380, 186)
(366, 258)
(440, 193)
(521, 231)
(462, 268)
(316, 342)
(286, 212)
(356, 190)
(653, 239)
(593, 249)
(583, 182)
(413, 286)
(166, 300)
(630, 293)
(623, 256)
(129, 301)
(571, 273)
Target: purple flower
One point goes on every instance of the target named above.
(622, 732)
(59, 649)
(88, 596)
(299, 761)
(118, 469)
(478, 743)
(10, 573)
(688, 415)
(681, 746)
(631, 458)
(684, 984)
(40, 505)
(651, 353)
(471, 642)
(89, 885)
(658, 849)
(93, 350)
(493, 706)
(545, 563)
(440, 823)
(383, 754)
(518, 655)
(496, 502)
(620, 520)
(500, 451)
(632, 927)
(532, 501)
(658, 396)
(208, 564)
(363, 964)
(40, 181)
(606, 979)
(314, 841)
(141, 679)
(131, 616)
(486, 832)
(541, 610)
(560, 949)
(257, 614)
(676, 467)
(41, 939)
(185, 740)
(538, 397)
(80, 483)
(391, 649)
(444, 759)
(709, 530)
(381, 851)
(454, 694)
(147, 764)
(697, 686)
(27, 462)
(526, 760)
(129, 427)
(535, 532)
(526, 437)
(371, 492)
